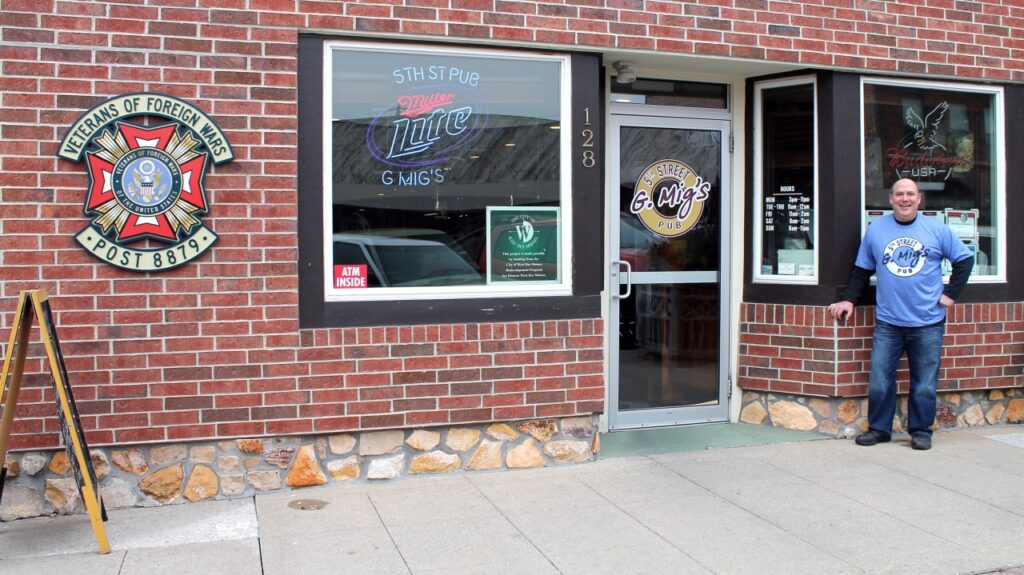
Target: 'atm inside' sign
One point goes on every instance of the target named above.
(349, 276)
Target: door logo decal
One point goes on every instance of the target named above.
(669, 198)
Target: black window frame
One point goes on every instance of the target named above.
(840, 177)
(761, 192)
(587, 198)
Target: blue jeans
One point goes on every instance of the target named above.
(924, 349)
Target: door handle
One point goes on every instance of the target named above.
(628, 269)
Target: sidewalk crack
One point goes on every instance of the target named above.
(259, 534)
(388, 531)
(642, 524)
(753, 514)
(512, 523)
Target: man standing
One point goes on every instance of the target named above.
(905, 252)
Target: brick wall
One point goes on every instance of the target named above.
(317, 381)
(801, 350)
(214, 348)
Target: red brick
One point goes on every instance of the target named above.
(514, 385)
(501, 346)
(169, 418)
(459, 402)
(555, 410)
(457, 361)
(140, 434)
(238, 400)
(289, 426)
(358, 380)
(501, 373)
(381, 421)
(470, 415)
(550, 383)
(545, 397)
(554, 36)
(438, 362)
(585, 393)
(544, 370)
(515, 6)
(426, 417)
(513, 413)
(286, 397)
(335, 424)
(513, 358)
(584, 342)
(189, 402)
(365, 407)
(421, 404)
(407, 377)
(191, 432)
(241, 429)
(505, 399)
(472, 388)
(221, 415)
(335, 395)
(277, 412)
(584, 368)
(280, 384)
(544, 344)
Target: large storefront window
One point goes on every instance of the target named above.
(947, 138)
(446, 173)
(785, 191)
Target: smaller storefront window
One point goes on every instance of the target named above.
(945, 137)
(785, 191)
(447, 173)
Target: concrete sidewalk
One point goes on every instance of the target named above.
(815, 507)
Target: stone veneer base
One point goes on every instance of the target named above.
(40, 483)
(847, 417)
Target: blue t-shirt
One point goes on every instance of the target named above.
(907, 260)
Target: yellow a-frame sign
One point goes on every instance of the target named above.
(31, 304)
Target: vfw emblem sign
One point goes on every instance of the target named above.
(146, 193)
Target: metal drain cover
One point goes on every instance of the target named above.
(307, 504)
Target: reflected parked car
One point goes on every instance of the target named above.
(404, 262)
(428, 234)
(636, 246)
(637, 243)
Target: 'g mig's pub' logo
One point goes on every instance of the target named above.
(669, 198)
(146, 181)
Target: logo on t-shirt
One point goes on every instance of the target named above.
(904, 257)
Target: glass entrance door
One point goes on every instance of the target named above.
(667, 230)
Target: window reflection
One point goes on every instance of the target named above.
(787, 186)
(645, 250)
(945, 141)
(668, 341)
(424, 144)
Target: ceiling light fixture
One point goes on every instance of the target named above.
(624, 72)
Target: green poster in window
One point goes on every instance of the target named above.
(522, 245)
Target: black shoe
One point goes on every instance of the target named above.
(921, 441)
(872, 437)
